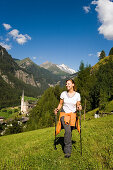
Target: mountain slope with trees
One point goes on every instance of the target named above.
(10, 85)
(95, 87)
(43, 77)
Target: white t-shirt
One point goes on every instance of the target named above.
(69, 104)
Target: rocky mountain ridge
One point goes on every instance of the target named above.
(58, 69)
(9, 66)
(66, 69)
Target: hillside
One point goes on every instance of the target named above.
(35, 149)
(103, 61)
(10, 85)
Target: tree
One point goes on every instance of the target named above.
(102, 55)
(42, 115)
(81, 67)
(84, 82)
(111, 51)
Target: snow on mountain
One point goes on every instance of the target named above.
(66, 69)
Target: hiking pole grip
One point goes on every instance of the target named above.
(80, 135)
(55, 132)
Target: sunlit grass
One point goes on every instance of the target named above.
(35, 149)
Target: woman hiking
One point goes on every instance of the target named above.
(69, 104)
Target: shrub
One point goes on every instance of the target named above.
(10, 111)
(4, 110)
(15, 110)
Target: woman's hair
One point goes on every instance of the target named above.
(74, 87)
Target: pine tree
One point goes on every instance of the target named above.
(111, 51)
(81, 67)
(102, 55)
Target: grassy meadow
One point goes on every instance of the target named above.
(9, 113)
(35, 149)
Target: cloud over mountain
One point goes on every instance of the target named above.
(6, 46)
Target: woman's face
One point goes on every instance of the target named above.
(69, 85)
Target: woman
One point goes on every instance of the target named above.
(70, 103)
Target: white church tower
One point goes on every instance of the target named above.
(24, 105)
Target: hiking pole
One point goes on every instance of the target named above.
(80, 135)
(55, 131)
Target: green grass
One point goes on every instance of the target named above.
(102, 61)
(9, 113)
(90, 115)
(109, 107)
(35, 149)
(30, 98)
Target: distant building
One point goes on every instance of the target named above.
(24, 105)
(97, 114)
(1, 120)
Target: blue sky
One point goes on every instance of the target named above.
(59, 31)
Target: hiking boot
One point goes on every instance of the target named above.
(67, 155)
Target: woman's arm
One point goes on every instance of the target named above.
(59, 106)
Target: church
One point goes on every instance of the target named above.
(24, 105)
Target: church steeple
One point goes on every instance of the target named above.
(24, 105)
(22, 101)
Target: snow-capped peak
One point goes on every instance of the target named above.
(66, 69)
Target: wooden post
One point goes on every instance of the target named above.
(84, 108)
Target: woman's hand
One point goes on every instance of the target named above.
(79, 107)
(55, 111)
(58, 107)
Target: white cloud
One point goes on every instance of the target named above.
(94, 2)
(34, 58)
(86, 8)
(104, 8)
(14, 33)
(6, 46)
(7, 39)
(94, 54)
(90, 54)
(6, 26)
(20, 38)
(98, 54)
(28, 37)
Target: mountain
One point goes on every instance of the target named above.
(66, 69)
(43, 77)
(13, 79)
(9, 68)
(54, 69)
(61, 70)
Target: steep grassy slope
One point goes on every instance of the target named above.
(103, 61)
(35, 149)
